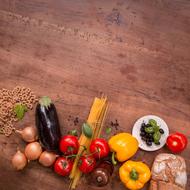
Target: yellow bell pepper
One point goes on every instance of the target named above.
(124, 145)
(134, 174)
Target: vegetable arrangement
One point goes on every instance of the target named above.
(71, 156)
(49, 134)
(90, 130)
(133, 174)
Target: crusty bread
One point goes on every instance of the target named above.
(168, 173)
(161, 185)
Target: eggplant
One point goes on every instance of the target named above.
(47, 124)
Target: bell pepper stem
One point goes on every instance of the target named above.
(114, 162)
(134, 174)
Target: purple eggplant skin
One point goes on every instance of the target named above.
(47, 124)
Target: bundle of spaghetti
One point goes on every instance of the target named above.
(95, 120)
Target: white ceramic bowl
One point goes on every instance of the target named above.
(136, 132)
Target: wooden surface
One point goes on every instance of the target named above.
(135, 51)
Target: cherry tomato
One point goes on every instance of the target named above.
(177, 142)
(87, 163)
(69, 145)
(99, 148)
(63, 166)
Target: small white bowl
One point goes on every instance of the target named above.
(136, 132)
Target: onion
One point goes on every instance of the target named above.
(19, 160)
(33, 150)
(47, 158)
(29, 134)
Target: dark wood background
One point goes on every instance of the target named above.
(135, 51)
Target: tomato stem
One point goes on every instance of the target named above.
(92, 153)
(84, 147)
(75, 155)
(71, 156)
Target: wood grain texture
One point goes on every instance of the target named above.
(135, 51)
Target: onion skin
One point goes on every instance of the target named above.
(47, 159)
(19, 160)
(28, 134)
(33, 150)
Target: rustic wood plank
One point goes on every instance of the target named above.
(136, 52)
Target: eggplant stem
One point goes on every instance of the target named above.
(45, 101)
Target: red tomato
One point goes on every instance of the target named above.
(177, 142)
(69, 145)
(99, 148)
(63, 166)
(87, 163)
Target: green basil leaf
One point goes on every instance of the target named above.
(156, 128)
(20, 110)
(152, 122)
(157, 136)
(108, 130)
(73, 132)
(87, 130)
(149, 129)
